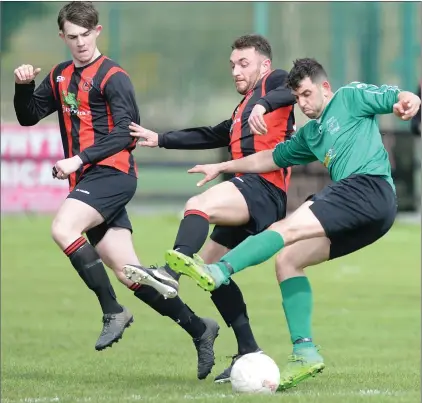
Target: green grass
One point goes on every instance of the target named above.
(367, 320)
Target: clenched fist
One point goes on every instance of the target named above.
(25, 73)
(407, 105)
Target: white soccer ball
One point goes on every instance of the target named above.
(255, 373)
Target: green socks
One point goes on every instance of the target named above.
(296, 291)
(252, 251)
(297, 305)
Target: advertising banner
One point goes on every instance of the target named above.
(27, 157)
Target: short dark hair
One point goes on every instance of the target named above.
(81, 13)
(303, 68)
(258, 42)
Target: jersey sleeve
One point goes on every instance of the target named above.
(120, 97)
(32, 105)
(197, 138)
(368, 100)
(293, 152)
(277, 94)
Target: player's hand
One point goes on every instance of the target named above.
(407, 105)
(211, 171)
(63, 168)
(25, 73)
(148, 138)
(256, 120)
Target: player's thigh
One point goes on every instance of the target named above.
(266, 204)
(73, 218)
(106, 189)
(223, 203)
(291, 261)
(99, 196)
(302, 224)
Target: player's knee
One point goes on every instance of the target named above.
(277, 227)
(289, 231)
(286, 265)
(194, 203)
(198, 203)
(63, 233)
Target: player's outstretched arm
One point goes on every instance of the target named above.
(256, 163)
(197, 138)
(32, 105)
(292, 152)
(369, 100)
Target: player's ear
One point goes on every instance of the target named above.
(98, 29)
(326, 85)
(266, 66)
(61, 34)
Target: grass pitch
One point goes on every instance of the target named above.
(367, 321)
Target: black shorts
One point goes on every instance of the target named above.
(108, 191)
(355, 212)
(266, 204)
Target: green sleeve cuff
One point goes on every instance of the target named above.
(278, 159)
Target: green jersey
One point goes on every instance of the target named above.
(346, 137)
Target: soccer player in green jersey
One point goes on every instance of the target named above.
(355, 210)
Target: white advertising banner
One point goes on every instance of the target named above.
(27, 157)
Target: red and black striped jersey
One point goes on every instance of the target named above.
(270, 92)
(95, 105)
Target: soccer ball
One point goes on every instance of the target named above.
(255, 373)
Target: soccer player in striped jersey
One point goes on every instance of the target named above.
(244, 205)
(95, 103)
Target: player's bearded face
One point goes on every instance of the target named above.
(82, 42)
(248, 67)
(311, 98)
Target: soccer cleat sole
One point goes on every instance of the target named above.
(119, 336)
(138, 276)
(311, 373)
(183, 264)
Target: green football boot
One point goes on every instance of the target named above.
(207, 276)
(303, 364)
